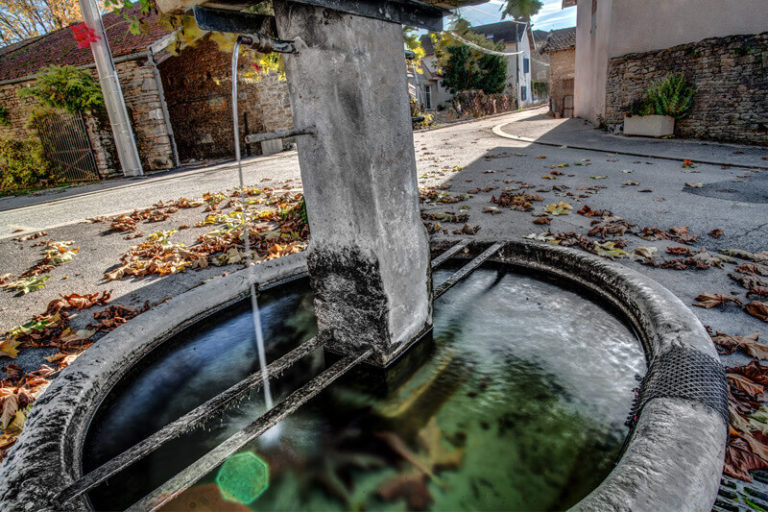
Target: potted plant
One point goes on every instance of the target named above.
(666, 100)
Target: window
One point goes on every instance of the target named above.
(523, 93)
(428, 97)
(526, 65)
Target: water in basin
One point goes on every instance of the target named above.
(516, 402)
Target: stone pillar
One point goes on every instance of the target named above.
(369, 256)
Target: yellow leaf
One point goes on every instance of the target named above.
(8, 348)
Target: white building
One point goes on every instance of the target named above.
(514, 35)
(607, 29)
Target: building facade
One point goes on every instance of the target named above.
(177, 95)
(719, 45)
(561, 49)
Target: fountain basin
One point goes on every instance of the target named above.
(673, 459)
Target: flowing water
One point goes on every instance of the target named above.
(247, 243)
(516, 402)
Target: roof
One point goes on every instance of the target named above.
(59, 47)
(562, 39)
(540, 35)
(507, 31)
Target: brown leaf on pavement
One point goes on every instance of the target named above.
(543, 220)
(729, 344)
(739, 459)
(745, 384)
(752, 268)
(710, 300)
(758, 291)
(716, 233)
(589, 212)
(758, 310)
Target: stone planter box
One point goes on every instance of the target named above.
(649, 126)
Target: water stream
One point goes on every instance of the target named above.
(274, 432)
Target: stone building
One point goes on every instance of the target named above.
(561, 48)
(721, 46)
(178, 98)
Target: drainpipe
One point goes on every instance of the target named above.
(164, 107)
(113, 95)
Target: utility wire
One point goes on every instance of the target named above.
(480, 48)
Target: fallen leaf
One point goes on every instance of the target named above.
(9, 347)
(543, 220)
(745, 384)
(758, 310)
(710, 300)
(740, 460)
(694, 185)
(643, 253)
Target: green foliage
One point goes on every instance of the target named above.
(121, 8)
(465, 68)
(4, 119)
(66, 87)
(671, 96)
(521, 9)
(22, 163)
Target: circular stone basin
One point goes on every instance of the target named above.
(516, 402)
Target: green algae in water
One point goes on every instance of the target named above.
(519, 407)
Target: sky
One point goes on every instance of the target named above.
(550, 17)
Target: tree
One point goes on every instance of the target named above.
(22, 19)
(465, 68)
(521, 10)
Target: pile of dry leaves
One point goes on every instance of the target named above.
(18, 390)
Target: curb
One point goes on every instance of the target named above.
(498, 131)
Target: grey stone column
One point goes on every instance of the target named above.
(369, 256)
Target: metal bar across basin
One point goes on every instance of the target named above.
(208, 462)
(186, 423)
(466, 269)
(253, 382)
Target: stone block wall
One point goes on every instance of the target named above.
(142, 99)
(562, 66)
(476, 103)
(198, 91)
(731, 79)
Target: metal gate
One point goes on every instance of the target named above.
(66, 145)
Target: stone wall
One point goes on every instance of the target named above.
(198, 90)
(142, 99)
(562, 68)
(731, 79)
(476, 103)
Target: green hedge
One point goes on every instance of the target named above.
(22, 164)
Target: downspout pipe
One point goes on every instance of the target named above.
(113, 95)
(164, 106)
